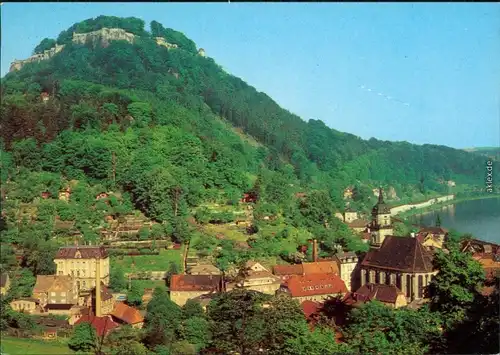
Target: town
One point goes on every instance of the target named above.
(395, 271)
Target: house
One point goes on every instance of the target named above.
(65, 194)
(321, 267)
(359, 225)
(348, 192)
(350, 215)
(55, 289)
(25, 305)
(80, 263)
(432, 237)
(487, 254)
(44, 96)
(106, 300)
(314, 287)
(249, 197)
(399, 261)
(347, 263)
(45, 195)
(124, 314)
(205, 299)
(63, 309)
(201, 52)
(102, 325)
(389, 295)
(284, 272)
(4, 283)
(185, 287)
(257, 278)
(204, 269)
(311, 309)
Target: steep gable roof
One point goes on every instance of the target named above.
(53, 283)
(400, 253)
(83, 252)
(102, 325)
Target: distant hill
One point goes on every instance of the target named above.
(493, 152)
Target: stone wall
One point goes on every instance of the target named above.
(47, 54)
(103, 36)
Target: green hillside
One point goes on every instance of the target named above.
(169, 130)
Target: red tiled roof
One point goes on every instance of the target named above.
(315, 284)
(310, 307)
(87, 252)
(382, 293)
(102, 325)
(283, 270)
(359, 223)
(321, 267)
(400, 253)
(127, 314)
(195, 283)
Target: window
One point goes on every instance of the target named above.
(52, 294)
(420, 286)
(63, 294)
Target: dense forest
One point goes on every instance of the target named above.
(171, 130)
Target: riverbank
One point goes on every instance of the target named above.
(439, 205)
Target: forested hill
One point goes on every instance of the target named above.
(149, 114)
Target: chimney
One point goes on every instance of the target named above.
(98, 288)
(412, 234)
(315, 250)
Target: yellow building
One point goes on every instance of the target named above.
(25, 305)
(55, 289)
(347, 263)
(80, 263)
(4, 283)
(381, 225)
(186, 287)
(257, 278)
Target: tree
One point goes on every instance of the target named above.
(45, 44)
(438, 220)
(83, 339)
(196, 330)
(162, 321)
(125, 340)
(134, 295)
(117, 279)
(237, 321)
(317, 342)
(192, 309)
(455, 288)
(376, 328)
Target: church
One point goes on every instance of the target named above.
(394, 260)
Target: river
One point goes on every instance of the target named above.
(481, 218)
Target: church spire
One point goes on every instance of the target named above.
(380, 195)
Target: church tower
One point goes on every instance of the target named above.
(381, 225)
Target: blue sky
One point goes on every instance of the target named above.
(422, 72)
